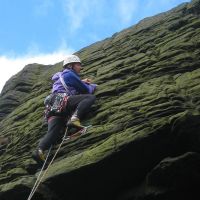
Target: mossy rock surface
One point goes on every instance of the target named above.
(146, 120)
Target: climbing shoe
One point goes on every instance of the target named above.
(39, 156)
(75, 122)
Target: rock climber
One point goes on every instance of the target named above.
(70, 96)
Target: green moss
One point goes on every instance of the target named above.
(148, 78)
(16, 172)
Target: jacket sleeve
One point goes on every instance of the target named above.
(92, 88)
(79, 85)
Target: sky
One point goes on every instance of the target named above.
(45, 31)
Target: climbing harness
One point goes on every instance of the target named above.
(41, 176)
(55, 105)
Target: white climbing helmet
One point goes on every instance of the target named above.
(71, 59)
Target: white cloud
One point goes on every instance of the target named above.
(43, 8)
(77, 11)
(127, 9)
(11, 66)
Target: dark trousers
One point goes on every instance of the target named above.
(56, 124)
(80, 104)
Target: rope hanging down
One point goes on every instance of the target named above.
(37, 181)
(40, 176)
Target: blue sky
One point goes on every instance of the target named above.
(44, 31)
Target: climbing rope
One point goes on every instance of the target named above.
(39, 179)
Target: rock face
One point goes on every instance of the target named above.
(145, 139)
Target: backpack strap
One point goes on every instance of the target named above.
(64, 84)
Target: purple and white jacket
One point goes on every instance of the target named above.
(73, 82)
